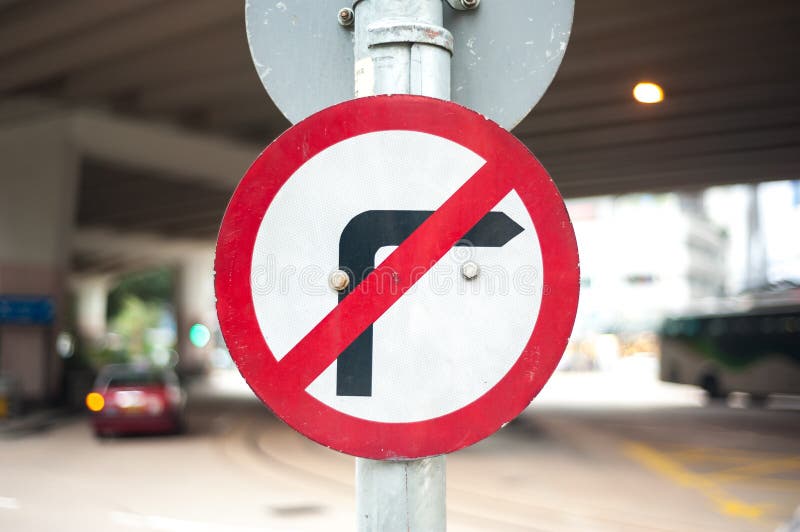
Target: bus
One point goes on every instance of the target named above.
(751, 346)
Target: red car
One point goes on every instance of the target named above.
(129, 399)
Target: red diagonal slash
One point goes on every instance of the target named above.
(406, 265)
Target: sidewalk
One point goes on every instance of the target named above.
(35, 421)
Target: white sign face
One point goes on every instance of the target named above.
(449, 339)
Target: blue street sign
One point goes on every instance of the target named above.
(26, 310)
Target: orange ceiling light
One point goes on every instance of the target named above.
(648, 92)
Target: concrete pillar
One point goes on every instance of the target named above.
(38, 179)
(91, 304)
(194, 304)
(757, 278)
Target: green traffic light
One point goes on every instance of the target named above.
(199, 335)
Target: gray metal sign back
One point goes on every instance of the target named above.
(505, 54)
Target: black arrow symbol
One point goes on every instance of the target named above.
(361, 238)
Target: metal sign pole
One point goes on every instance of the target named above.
(401, 495)
(400, 47)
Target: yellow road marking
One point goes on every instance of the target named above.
(717, 454)
(755, 471)
(759, 468)
(772, 484)
(725, 503)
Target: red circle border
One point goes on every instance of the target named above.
(462, 427)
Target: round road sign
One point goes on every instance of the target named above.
(396, 277)
(505, 54)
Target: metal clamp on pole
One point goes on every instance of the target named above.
(391, 32)
(402, 48)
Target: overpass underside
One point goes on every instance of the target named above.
(125, 125)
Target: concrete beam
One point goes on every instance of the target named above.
(144, 249)
(221, 47)
(226, 86)
(31, 25)
(139, 144)
(143, 28)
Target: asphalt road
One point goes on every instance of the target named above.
(647, 458)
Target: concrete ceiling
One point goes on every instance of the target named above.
(728, 67)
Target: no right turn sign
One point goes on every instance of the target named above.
(397, 277)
